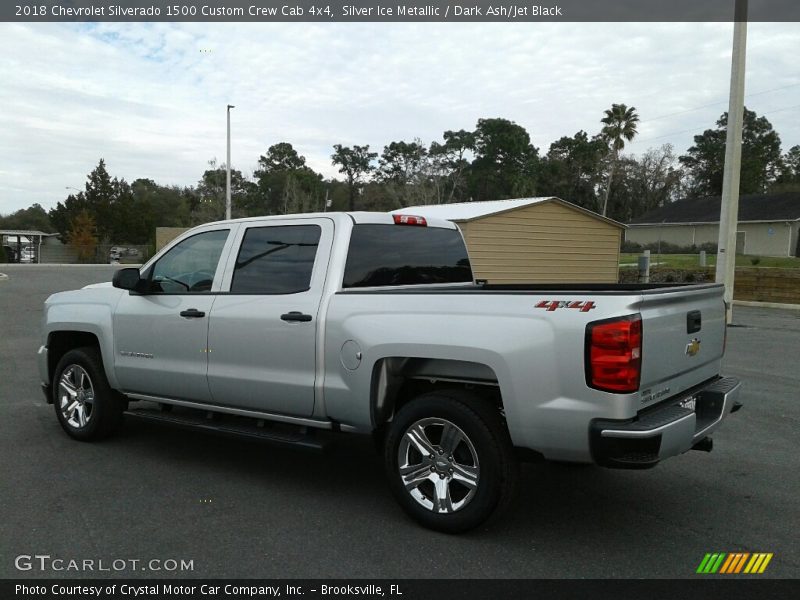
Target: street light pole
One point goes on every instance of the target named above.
(729, 213)
(228, 168)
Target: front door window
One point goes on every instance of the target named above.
(189, 266)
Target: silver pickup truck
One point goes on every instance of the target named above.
(279, 328)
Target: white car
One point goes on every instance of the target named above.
(28, 255)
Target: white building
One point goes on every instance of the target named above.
(768, 224)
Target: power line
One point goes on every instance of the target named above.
(666, 135)
(688, 110)
(782, 109)
(700, 127)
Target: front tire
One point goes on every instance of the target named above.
(450, 461)
(86, 406)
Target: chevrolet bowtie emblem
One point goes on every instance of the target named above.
(693, 347)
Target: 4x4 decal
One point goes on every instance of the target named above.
(581, 305)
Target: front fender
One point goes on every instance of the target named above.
(88, 311)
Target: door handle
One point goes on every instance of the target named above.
(693, 321)
(296, 316)
(193, 313)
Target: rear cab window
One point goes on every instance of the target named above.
(399, 255)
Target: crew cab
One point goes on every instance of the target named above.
(281, 328)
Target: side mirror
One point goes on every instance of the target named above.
(127, 279)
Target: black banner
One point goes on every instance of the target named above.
(701, 588)
(398, 10)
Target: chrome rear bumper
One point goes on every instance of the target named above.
(671, 428)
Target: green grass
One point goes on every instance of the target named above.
(688, 261)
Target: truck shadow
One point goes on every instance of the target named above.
(187, 490)
(554, 500)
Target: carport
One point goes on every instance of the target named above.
(13, 240)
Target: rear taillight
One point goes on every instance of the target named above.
(410, 220)
(614, 354)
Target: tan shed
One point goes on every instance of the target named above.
(531, 240)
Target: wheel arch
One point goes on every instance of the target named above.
(396, 380)
(61, 341)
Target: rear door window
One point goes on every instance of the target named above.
(278, 259)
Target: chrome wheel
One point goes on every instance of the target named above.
(438, 465)
(76, 396)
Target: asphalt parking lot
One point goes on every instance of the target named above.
(240, 509)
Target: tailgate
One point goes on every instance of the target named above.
(683, 336)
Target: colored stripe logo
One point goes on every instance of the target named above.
(728, 563)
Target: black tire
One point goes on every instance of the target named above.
(103, 414)
(487, 440)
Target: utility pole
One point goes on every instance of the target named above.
(228, 169)
(729, 214)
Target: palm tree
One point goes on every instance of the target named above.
(619, 125)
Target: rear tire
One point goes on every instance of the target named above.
(86, 406)
(450, 461)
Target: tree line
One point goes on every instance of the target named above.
(496, 160)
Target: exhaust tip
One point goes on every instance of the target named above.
(704, 445)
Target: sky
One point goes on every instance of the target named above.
(150, 98)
